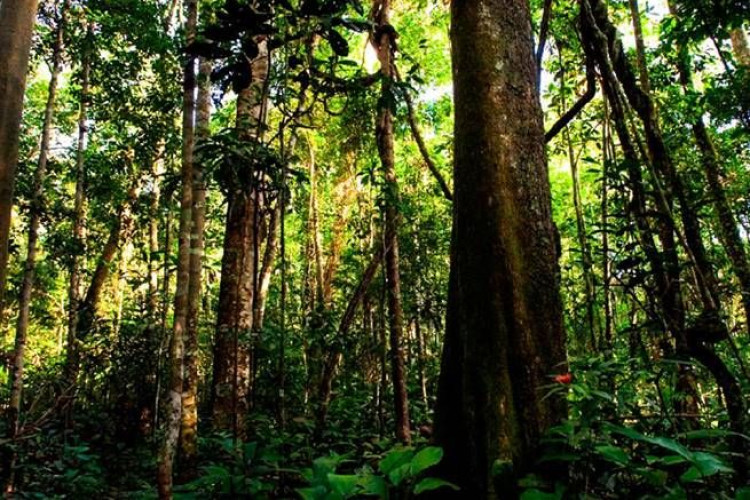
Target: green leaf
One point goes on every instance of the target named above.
(343, 484)
(540, 495)
(692, 474)
(373, 485)
(425, 459)
(742, 493)
(313, 493)
(613, 454)
(400, 473)
(395, 459)
(709, 464)
(433, 483)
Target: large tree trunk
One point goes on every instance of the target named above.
(173, 404)
(384, 43)
(232, 369)
(16, 27)
(189, 428)
(37, 207)
(504, 335)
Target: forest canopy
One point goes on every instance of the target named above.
(329, 249)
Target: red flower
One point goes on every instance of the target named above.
(564, 378)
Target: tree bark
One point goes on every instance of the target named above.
(189, 424)
(232, 370)
(173, 402)
(79, 218)
(504, 333)
(382, 40)
(36, 209)
(16, 27)
(728, 232)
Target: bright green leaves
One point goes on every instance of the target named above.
(399, 470)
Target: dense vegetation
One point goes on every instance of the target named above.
(329, 249)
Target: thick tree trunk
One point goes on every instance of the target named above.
(36, 209)
(232, 369)
(383, 42)
(504, 335)
(173, 403)
(189, 425)
(16, 27)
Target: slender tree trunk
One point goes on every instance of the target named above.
(189, 425)
(118, 236)
(504, 334)
(266, 270)
(421, 360)
(16, 27)
(659, 155)
(79, 219)
(173, 413)
(589, 341)
(152, 297)
(606, 276)
(640, 47)
(334, 357)
(385, 46)
(728, 232)
(37, 207)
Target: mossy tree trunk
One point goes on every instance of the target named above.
(504, 335)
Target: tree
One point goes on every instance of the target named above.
(173, 400)
(504, 333)
(16, 27)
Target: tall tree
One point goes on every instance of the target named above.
(384, 42)
(173, 403)
(231, 384)
(79, 210)
(16, 27)
(504, 333)
(189, 429)
(37, 202)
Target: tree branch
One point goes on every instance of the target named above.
(578, 106)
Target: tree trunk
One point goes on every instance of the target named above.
(330, 366)
(266, 269)
(232, 369)
(16, 27)
(36, 209)
(79, 220)
(383, 42)
(659, 156)
(504, 334)
(189, 424)
(728, 233)
(640, 47)
(173, 413)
